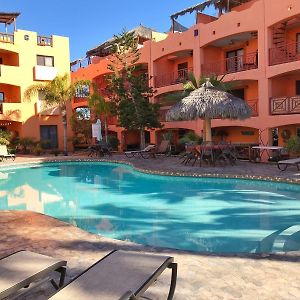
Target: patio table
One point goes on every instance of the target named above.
(260, 150)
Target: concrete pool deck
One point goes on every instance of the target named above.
(200, 276)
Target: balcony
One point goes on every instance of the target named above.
(44, 73)
(172, 78)
(44, 41)
(231, 65)
(284, 54)
(285, 105)
(6, 38)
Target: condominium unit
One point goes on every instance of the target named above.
(27, 58)
(256, 45)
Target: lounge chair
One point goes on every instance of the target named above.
(162, 149)
(4, 153)
(283, 164)
(119, 275)
(20, 269)
(149, 149)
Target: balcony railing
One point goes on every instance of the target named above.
(285, 105)
(162, 114)
(231, 65)
(6, 38)
(253, 103)
(44, 41)
(172, 78)
(284, 54)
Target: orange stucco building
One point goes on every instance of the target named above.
(257, 46)
(27, 58)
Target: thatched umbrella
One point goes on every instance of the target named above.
(209, 103)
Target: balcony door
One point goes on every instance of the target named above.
(234, 60)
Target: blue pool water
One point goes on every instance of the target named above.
(215, 215)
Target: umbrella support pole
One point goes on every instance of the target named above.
(207, 125)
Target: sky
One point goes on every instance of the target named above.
(89, 23)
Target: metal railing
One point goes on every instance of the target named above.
(231, 65)
(44, 41)
(283, 54)
(172, 78)
(6, 38)
(285, 105)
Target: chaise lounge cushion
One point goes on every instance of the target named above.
(116, 275)
(20, 269)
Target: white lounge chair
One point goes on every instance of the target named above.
(20, 269)
(283, 164)
(131, 154)
(118, 276)
(4, 153)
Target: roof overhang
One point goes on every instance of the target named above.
(8, 18)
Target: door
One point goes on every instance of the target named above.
(298, 87)
(298, 43)
(234, 60)
(48, 136)
(240, 93)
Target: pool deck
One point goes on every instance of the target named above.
(200, 276)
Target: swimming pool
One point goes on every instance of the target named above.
(198, 214)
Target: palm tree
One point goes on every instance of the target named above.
(101, 107)
(222, 5)
(193, 84)
(57, 92)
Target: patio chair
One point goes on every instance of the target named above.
(227, 152)
(207, 153)
(20, 269)
(283, 164)
(162, 149)
(119, 275)
(4, 153)
(148, 149)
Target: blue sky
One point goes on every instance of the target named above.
(89, 23)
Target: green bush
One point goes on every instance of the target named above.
(4, 141)
(113, 141)
(191, 138)
(5, 137)
(293, 144)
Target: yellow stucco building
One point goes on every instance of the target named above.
(27, 58)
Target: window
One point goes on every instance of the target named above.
(82, 91)
(47, 61)
(1, 61)
(297, 87)
(298, 131)
(1, 97)
(83, 113)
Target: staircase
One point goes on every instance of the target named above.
(279, 34)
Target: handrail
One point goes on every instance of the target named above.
(6, 38)
(285, 105)
(44, 41)
(234, 64)
(287, 53)
(172, 78)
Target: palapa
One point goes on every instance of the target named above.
(208, 103)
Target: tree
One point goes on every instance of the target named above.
(129, 87)
(100, 107)
(57, 92)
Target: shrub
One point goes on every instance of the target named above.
(293, 144)
(5, 137)
(191, 138)
(113, 141)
